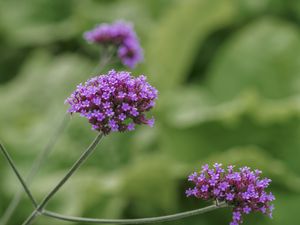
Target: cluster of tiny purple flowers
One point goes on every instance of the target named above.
(244, 190)
(121, 35)
(114, 102)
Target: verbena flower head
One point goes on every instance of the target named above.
(122, 36)
(114, 102)
(243, 189)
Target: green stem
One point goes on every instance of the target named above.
(40, 208)
(23, 183)
(75, 166)
(43, 155)
(171, 217)
(105, 59)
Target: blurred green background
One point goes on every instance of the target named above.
(228, 72)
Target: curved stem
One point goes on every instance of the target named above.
(23, 183)
(46, 151)
(43, 155)
(40, 208)
(104, 61)
(105, 58)
(75, 166)
(171, 217)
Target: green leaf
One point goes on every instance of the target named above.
(149, 187)
(264, 56)
(193, 106)
(174, 42)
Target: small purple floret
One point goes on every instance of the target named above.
(104, 108)
(243, 189)
(121, 35)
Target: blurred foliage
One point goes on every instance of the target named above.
(228, 72)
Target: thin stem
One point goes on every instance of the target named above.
(13, 166)
(171, 217)
(75, 166)
(11, 208)
(38, 162)
(105, 57)
(103, 62)
(43, 155)
(46, 151)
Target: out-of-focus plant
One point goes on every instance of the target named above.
(117, 102)
(119, 37)
(227, 72)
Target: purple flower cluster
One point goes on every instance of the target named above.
(121, 35)
(114, 102)
(242, 189)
